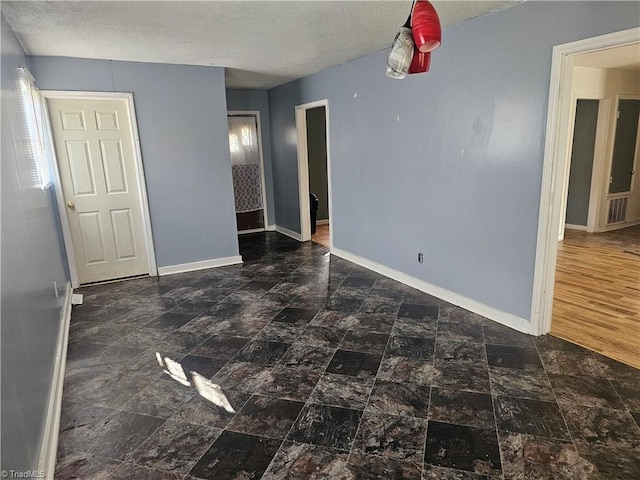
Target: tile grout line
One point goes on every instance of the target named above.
(622, 402)
(223, 429)
(553, 390)
(258, 268)
(188, 353)
(435, 347)
(84, 452)
(306, 403)
(364, 410)
(374, 384)
(493, 402)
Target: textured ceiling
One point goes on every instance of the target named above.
(262, 43)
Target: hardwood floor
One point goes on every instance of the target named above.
(322, 235)
(597, 292)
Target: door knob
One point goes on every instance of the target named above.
(71, 205)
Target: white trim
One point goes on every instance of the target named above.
(607, 167)
(142, 188)
(49, 446)
(142, 185)
(619, 225)
(202, 265)
(553, 167)
(507, 319)
(612, 146)
(329, 187)
(599, 162)
(571, 226)
(322, 222)
(602, 158)
(270, 228)
(288, 233)
(303, 168)
(252, 230)
(62, 214)
(72, 94)
(303, 174)
(564, 191)
(256, 113)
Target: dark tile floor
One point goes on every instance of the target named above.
(304, 366)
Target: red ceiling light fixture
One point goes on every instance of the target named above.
(425, 25)
(420, 62)
(417, 38)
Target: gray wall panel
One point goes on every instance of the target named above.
(182, 121)
(32, 259)
(447, 163)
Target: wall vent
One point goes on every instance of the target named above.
(617, 210)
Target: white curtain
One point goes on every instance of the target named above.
(245, 163)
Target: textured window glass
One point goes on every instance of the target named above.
(245, 163)
(233, 143)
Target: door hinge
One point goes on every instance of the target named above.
(618, 114)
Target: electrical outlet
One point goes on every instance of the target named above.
(420, 257)
(55, 288)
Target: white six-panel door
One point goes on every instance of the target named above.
(96, 161)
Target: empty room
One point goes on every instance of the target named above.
(320, 240)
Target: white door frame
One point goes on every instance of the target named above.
(303, 168)
(142, 186)
(554, 168)
(264, 189)
(598, 175)
(603, 205)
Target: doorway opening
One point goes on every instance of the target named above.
(247, 168)
(314, 172)
(318, 178)
(585, 286)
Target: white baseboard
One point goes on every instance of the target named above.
(289, 233)
(270, 228)
(571, 226)
(204, 264)
(322, 222)
(618, 226)
(49, 447)
(507, 319)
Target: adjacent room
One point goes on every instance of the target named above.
(312, 240)
(597, 289)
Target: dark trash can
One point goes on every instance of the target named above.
(315, 204)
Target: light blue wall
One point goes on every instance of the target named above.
(238, 99)
(400, 181)
(32, 259)
(182, 121)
